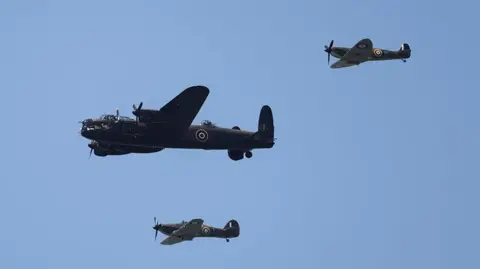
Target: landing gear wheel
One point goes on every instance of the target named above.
(248, 154)
(228, 240)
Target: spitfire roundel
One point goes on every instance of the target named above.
(377, 52)
(206, 230)
(201, 135)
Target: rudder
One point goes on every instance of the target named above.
(405, 50)
(233, 227)
(404, 46)
(265, 122)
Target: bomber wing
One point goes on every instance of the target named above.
(186, 232)
(179, 113)
(356, 55)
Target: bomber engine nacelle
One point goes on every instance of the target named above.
(235, 155)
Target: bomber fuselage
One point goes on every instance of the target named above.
(133, 133)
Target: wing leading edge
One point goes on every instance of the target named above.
(186, 232)
(356, 55)
(178, 113)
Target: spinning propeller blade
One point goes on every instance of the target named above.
(91, 150)
(329, 50)
(155, 225)
(139, 106)
(135, 109)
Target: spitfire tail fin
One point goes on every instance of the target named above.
(405, 50)
(265, 123)
(233, 228)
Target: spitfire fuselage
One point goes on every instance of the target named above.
(206, 231)
(376, 55)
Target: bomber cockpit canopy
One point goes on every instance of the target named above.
(208, 123)
(111, 117)
(107, 117)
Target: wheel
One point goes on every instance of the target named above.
(228, 240)
(248, 154)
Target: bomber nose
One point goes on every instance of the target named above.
(87, 123)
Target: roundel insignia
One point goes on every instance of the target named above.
(206, 230)
(377, 52)
(362, 45)
(201, 135)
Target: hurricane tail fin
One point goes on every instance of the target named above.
(233, 228)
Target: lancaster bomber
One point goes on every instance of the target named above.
(187, 231)
(171, 127)
(364, 51)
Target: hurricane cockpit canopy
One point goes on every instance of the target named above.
(208, 123)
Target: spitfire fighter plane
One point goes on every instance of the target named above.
(171, 127)
(364, 51)
(187, 231)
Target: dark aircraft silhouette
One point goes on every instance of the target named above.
(171, 127)
(362, 52)
(187, 231)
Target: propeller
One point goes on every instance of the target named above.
(155, 226)
(135, 109)
(117, 114)
(139, 106)
(92, 145)
(329, 50)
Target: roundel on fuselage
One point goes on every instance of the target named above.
(201, 135)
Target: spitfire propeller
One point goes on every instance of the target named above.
(329, 50)
(156, 226)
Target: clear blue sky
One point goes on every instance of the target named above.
(375, 166)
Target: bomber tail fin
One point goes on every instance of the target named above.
(265, 123)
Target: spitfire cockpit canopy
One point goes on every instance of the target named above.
(208, 123)
(111, 117)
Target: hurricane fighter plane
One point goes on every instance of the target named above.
(364, 51)
(171, 127)
(187, 231)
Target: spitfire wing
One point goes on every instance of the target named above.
(342, 63)
(360, 52)
(186, 232)
(180, 112)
